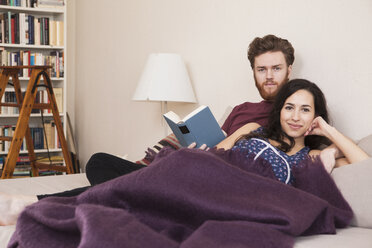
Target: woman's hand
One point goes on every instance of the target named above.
(352, 152)
(328, 157)
(318, 127)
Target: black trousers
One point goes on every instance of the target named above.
(100, 168)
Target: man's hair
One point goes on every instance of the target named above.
(270, 43)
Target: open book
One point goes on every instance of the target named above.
(199, 126)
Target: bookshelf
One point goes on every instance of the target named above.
(36, 35)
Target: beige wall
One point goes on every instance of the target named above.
(333, 42)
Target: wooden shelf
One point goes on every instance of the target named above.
(33, 10)
(31, 46)
(32, 115)
(53, 79)
(36, 151)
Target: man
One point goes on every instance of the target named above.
(271, 60)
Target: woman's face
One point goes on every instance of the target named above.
(297, 113)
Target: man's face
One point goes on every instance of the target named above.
(270, 73)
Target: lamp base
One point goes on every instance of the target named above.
(164, 110)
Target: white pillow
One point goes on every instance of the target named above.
(355, 183)
(366, 144)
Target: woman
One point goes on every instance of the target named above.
(298, 125)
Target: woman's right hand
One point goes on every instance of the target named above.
(319, 127)
(352, 152)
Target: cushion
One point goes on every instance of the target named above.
(169, 141)
(355, 183)
(366, 144)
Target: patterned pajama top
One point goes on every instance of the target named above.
(281, 162)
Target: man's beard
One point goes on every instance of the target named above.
(270, 96)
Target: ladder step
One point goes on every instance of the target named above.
(35, 106)
(9, 104)
(60, 168)
(6, 138)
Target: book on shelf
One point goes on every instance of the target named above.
(37, 138)
(25, 57)
(199, 126)
(50, 4)
(40, 139)
(9, 97)
(41, 96)
(23, 166)
(59, 33)
(22, 28)
(56, 160)
(52, 160)
(2, 29)
(58, 94)
(52, 32)
(8, 26)
(46, 31)
(36, 29)
(21, 3)
(49, 138)
(13, 30)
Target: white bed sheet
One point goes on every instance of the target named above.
(37, 186)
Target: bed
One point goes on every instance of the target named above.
(354, 181)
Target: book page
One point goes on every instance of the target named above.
(194, 113)
(172, 116)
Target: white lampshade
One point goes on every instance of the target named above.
(164, 78)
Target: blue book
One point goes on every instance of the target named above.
(199, 126)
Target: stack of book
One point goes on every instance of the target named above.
(41, 97)
(55, 59)
(27, 29)
(49, 140)
(53, 160)
(23, 166)
(22, 169)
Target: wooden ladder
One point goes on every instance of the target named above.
(25, 107)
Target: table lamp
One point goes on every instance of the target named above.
(164, 79)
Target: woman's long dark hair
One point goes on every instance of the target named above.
(274, 129)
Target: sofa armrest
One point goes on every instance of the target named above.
(355, 183)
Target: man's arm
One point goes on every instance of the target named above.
(229, 142)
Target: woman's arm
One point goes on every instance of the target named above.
(229, 141)
(328, 157)
(351, 151)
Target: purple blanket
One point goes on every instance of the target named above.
(190, 198)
